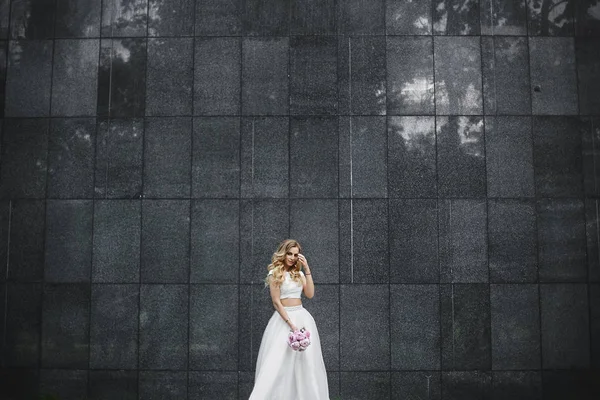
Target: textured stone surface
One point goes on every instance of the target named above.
(212, 385)
(467, 385)
(518, 385)
(416, 385)
(23, 325)
(366, 346)
(415, 327)
(465, 328)
(215, 243)
(65, 384)
(592, 209)
(413, 241)
(25, 228)
(114, 326)
(412, 166)
(163, 385)
(450, 19)
(503, 17)
(565, 326)
(356, 17)
(408, 18)
(365, 385)
(164, 318)
(167, 153)
(362, 73)
(588, 65)
(66, 326)
(515, 327)
(110, 385)
(512, 241)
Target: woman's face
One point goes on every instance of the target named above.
(291, 257)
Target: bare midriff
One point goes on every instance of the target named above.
(291, 302)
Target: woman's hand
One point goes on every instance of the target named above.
(293, 327)
(302, 259)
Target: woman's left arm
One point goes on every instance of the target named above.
(309, 285)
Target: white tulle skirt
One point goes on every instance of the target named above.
(285, 374)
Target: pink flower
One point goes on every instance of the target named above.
(295, 345)
(304, 343)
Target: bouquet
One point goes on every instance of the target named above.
(299, 340)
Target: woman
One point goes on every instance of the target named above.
(282, 373)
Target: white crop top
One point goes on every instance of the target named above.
(290, 289)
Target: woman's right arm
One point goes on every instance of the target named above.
(275, 292)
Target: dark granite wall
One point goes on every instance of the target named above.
(437, 160)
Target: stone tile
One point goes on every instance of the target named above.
(557, 154)
(512, 245)
(413, 241)
(595, 324)
(362, 74)
(111, 385)
(266, 17)
(75, 19)
(505, 63)
(363, 241)
(122, 77)
(264, 225)
(424, 385)
(365, 385)
(313, 75)
(114, 326)
(217, 74)
(64, 384)
(333, 381)
(412, 166)
(408, 18)
(366, 346)
(465, 320)
(255, 311)
(452, 18)
(5, 221)
(265, 75)
(503, 17)
(163, 385)
(68, 256)
(588, 77)
(550, 17)
(324, 307)
(517, 385)
(213, 327)
(173, 18)
(317, 17)
(66, 326)
(218, 18)
(116, 247)
(216, 157)
(215, 251)
(213, 385)
(509, 157)
(463, 241)
(561, 240)
(3, 63)
(576, 384)
(410, 75)
(592, 216)
(28, 78)
(588, 19)
(515, 327)
(415, 327)
(363, 157)
(4, 7)
(71, 158)
(357, 17)
(75, 77)
(461, 156)
(30, 19)
(315, 224)
(565, 326)
(165, 241)
(163, 336)
(591, 151)
(314, 157)
(26, 240)
(170, 75)
(245, 384)
(467, 385)
(24, 158)
(265, 157)
(553, 75)
(20, 382)
(121, 18)
(167, 153)
(23, 325)
(119, 159)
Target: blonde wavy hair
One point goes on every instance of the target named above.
(278, 263)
